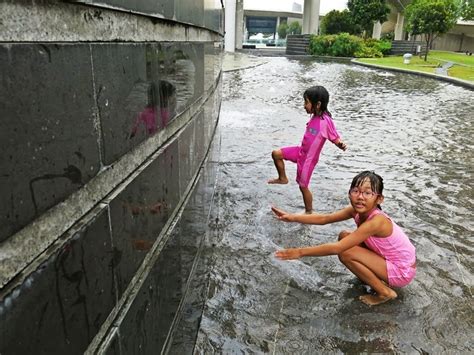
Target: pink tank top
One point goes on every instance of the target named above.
(396, 248)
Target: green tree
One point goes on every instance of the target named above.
(366, 12)
(294, 28)
(338, 22)
(282, 30)
(467, 10)
(431, 18)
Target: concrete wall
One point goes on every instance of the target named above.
(109, 112)
(454, 42)
(459, 38)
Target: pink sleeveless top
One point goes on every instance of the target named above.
(395, 248)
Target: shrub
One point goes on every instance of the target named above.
(368, 52)
(346, 45)
(294, 28)
(320, 45)
(389, 36)
(382, 46)
(282, 30)
(341, 45)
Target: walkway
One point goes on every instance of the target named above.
(237, 60)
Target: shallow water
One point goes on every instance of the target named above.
(417, 134)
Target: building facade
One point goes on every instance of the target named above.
(109, 114)
(460, 38)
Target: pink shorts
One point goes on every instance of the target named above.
(399, 276)
(293, 154)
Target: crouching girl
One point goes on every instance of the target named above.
(378, 252)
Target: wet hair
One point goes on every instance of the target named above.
(315, 94)
(151, 94)
(166, 92)
(376, 182)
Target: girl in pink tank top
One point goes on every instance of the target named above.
(378, 252)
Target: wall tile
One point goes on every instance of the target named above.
(141, 210)
(47, 138)
(60, 307)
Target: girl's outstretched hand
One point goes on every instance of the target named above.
(341, 145)
(282, 215)
(288, 254)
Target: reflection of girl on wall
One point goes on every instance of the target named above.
(167, 101)
(167, 107)
(148, 116)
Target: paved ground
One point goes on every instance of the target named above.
(241, 60)
(415, 132)
(237, 60)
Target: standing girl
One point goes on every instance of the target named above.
(378, 252)
(319, 128)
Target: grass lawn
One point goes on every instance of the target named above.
(454, 57)
(463, 67)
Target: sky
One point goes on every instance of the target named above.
(328, 5)
(286, 5)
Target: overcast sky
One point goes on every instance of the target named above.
(286, 5)
(328, 5)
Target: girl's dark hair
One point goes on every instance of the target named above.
(376, 182)
(315, 94)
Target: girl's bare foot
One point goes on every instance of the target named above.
(278, 181)
(376, 299)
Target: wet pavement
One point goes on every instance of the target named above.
(238, 61)
(417, 133)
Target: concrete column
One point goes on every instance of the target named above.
(306, 16)
(276, 29)
(246, 32)
(311, 16)
(377, 31)
(239, 24)
(399, 27)
(230, 14)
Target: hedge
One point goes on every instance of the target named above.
(346, 45)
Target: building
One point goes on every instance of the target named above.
(458, 39)
(251, 20)
(242, 20)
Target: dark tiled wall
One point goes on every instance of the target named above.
(70, 109)
(47, 137)
(183, 335)
(203, 13)
(60, 307)
(140, 211)
(143, 89)
(174, 289)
